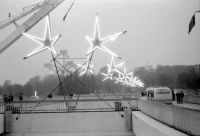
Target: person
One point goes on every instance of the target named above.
(181, 96)
(142, 94)
(178, 97)
(71, 95)
(5, 98)
(10, 98)
(152, 96)
(21, 97)
(173, 95)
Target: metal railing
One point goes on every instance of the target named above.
(20, 15)
(183, 119)
(187, 120)
(85, 105)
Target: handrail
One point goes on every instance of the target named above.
(19, 15)
(73, 100)
(69, 105)
(183, 119)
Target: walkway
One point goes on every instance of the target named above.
(187, 105)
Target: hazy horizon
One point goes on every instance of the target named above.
(157, 34)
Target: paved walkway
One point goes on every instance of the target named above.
(147, 126)
(187, 105)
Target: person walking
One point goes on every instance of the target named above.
(178, 97)
(181, 96)
(173, 95)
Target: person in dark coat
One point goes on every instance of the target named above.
(21, 97)
(5, 98)
(181, 96)
(178, 97)
(10, 98)
(173, 95)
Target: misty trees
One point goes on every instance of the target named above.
(171, 76)
(160, 76)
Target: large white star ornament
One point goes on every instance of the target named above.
(86, 68)
(98, 43)
(113, 67)
(46, 43)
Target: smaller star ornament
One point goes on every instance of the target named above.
(86, 68)
(98, 43)
(46, 43)
(108, 76)
(126, 77)
(120, 78)
(113, 67)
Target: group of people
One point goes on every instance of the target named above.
(10, 98)
(179, 96)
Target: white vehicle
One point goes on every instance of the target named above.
(162, 94)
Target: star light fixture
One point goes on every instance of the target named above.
(90, 67)
(120, 78)
(46, 43)
(98, 43)
(126, 77)
(113, 67)
(108, 76)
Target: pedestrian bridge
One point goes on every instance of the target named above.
(92, 117)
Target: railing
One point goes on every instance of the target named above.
(20, 15)
(85, 105)
(183, 119)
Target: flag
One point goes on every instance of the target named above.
(68, 10)
(192, 23)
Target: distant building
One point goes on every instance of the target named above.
(197, 69)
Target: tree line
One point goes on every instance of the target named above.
(177, 76)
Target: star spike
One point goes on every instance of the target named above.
(98, 43)
(113, 67)
(46, 43)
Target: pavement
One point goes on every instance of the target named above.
(187, 105)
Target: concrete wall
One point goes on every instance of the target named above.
(159, 111)
(146, 126)
(85, 122)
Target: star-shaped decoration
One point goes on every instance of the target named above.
(98, 43)
(108, 76)
(46, 43)
(113, 67)
(86, 68)
(120, 78)
(126, 77)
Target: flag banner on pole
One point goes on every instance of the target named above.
(68, 10)
(192, 23)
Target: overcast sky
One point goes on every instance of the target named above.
(157, 33)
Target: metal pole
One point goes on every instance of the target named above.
(60, 83)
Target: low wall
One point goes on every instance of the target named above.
(161, 112)
(1, 123)
(146, 126)
(82, 122)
